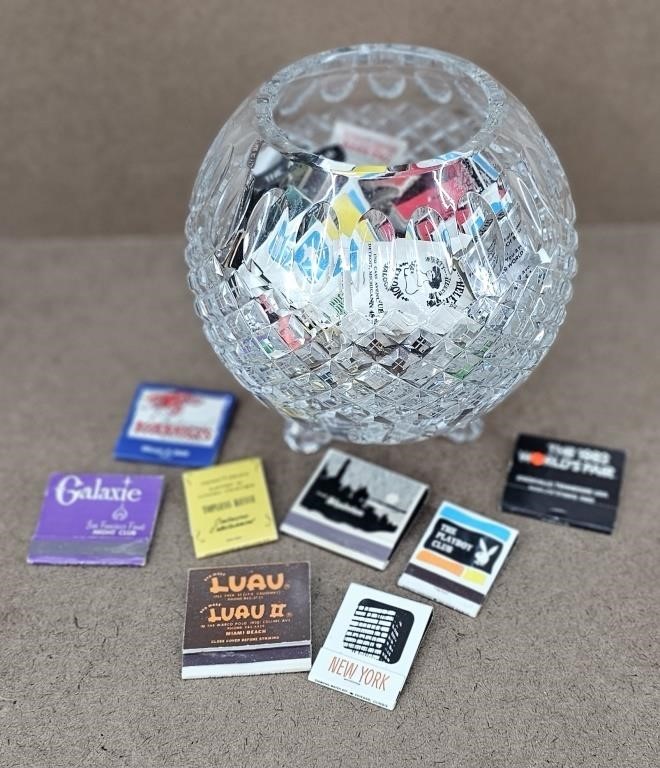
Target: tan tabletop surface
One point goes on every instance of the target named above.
(560, 668)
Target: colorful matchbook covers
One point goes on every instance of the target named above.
(458, 558)
(247, 620)
(174, 425)
(229, 507)
(93, 519)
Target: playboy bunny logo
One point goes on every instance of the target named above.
(483, 555)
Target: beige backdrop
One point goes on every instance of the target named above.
(106, 107)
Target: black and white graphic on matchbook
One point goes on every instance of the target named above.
(355, 508)
(371, 645)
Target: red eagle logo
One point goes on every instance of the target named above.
(173, 402)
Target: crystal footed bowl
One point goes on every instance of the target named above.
(381, 244)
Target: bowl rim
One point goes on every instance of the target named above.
(268, 94)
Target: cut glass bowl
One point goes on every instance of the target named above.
(381, 244)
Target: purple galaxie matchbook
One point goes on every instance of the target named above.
(96, 519)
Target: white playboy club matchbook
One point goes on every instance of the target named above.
(458, 558)
(371, 645)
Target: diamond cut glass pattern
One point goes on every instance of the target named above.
(381, 244)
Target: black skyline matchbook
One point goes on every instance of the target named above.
(355, 508)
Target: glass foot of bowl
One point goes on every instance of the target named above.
(467, 432)
(304, 438)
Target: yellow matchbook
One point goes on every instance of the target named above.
(229, 507)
